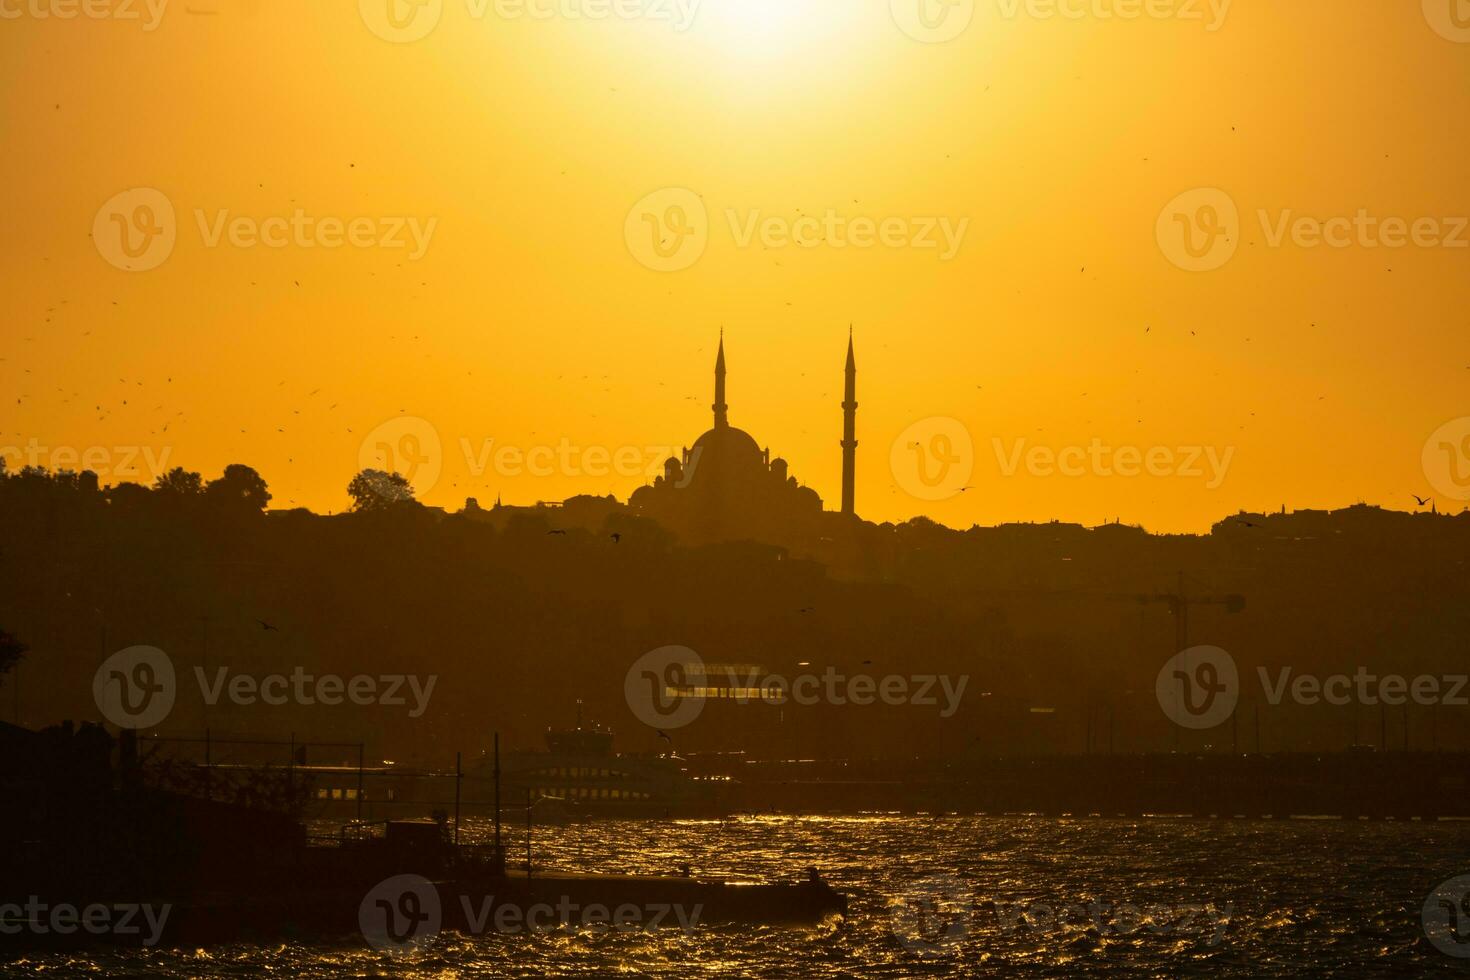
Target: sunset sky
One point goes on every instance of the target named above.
(532, 152)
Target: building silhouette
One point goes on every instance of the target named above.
(727, 486)
(849, 430)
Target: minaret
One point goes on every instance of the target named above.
(849, 430)
(719, 405)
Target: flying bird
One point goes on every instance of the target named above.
(267, 626)
(1422, 500)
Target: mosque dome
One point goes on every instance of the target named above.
(729, 446)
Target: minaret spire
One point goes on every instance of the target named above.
(719, 406)
(849, 430)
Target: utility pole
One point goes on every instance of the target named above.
(499, 852)
(458, 778)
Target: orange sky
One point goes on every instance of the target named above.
(519, 145)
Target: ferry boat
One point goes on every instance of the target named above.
(580, 771)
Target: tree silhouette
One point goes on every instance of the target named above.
(240, 488)
(179, 481)
(11, 650)
(373, 490)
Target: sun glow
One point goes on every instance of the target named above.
(763, 28)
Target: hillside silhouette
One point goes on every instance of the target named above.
(522, 611)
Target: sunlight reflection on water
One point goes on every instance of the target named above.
(937, 895)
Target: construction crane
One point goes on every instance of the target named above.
(1179, 602)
